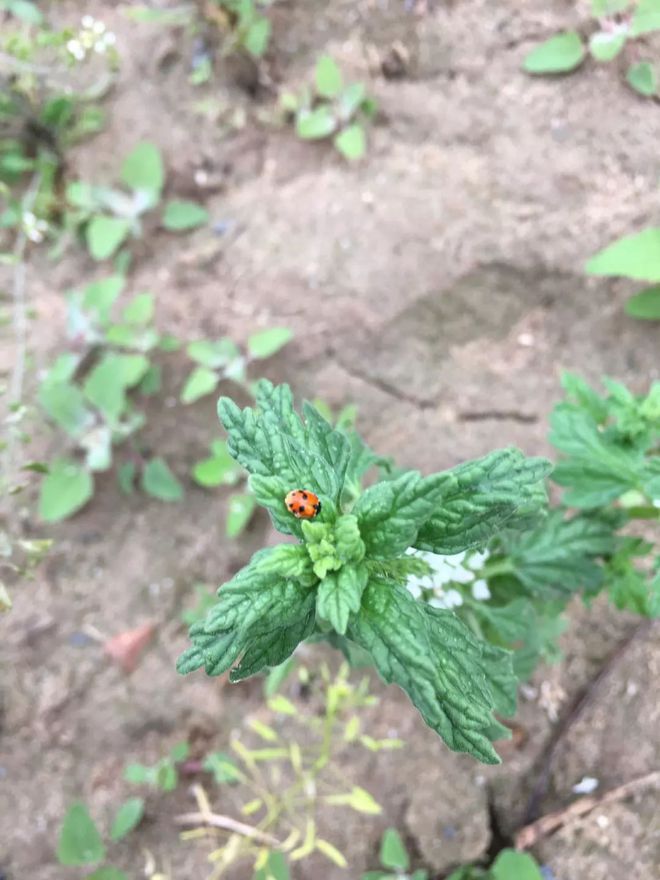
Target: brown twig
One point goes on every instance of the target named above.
(577, 709)
(227, 824)
(546, 825)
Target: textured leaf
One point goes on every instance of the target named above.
(634, 256)
(257, 622)
(80, 842)
(560, 555)
(390, 514)
(560, 54)
(339, 595)
(393, 853)
(179, 216)
(479, 498)
(159, 481)
(65, 489)
(273, 441)
(127, 818)
(450, 676)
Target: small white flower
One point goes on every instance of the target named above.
(477, 559)
(98, 27)
(110, 39)
(480, 590)
(87, 21)
(456, 559)
(586, 785)
(100, 47)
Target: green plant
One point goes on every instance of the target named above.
(509, 865)
(245, 25)
(279, 782)
(637, 257)
(395, 860)
(619, 22)
(89, 392)
(163, 775)
(81, 843)
(108, 217)
(513, 592)
(345, 579)
(332, 110)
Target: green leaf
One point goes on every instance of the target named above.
(273, 441)
(105, 234)
(646, 18)
(100, 296)
(561, 554)
(328, 77)
(513, 865)
(351, 100)
(127, 818)
(140, 310)
(63, 402)
(393, 853)
(257, 37)
(199, 383)
(152, 380)
(213, 354)
(66, 489)
(182, 215)
(126, 477)
(159, 481)
(603, 8)
(645, 304)
(276, 868)
(634, 256)
(642, 78)
(339, 595)
(455, 680)
(357, 799)
(352, 142)
(560, 54)
(80, 842)
(316, 124)
(257, 622)
(481, 497)
(267, 342)
(138, 774)
(606, 45)
(390, 514)
(223, 768)
(106, 385)
(219, 469)
(107, 873)
(143, 169)
(26, 11)
(241, 507)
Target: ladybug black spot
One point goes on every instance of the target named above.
(301, 509)
(305, 495)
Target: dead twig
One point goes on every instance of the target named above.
(547, 825)
(227, 824)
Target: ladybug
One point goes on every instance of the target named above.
(303, 504)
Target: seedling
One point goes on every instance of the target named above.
(332, 110)
(164, 775)
(395, 860)
(243, 24)
(509, 865)
(82, 844)
(345, 579)
(280, 780)
(109, 217)
(89, 392)
(637, 257)
(620, 23)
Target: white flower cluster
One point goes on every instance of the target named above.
(34, 228)
(93, 36)
(460, 568)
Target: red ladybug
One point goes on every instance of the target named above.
(303, 504)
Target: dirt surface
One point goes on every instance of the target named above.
(439, 286)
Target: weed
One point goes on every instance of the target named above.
(509, 865)
(344, 580)
(109, 217)
(164, 775)
(637, 257)
(394, 859)
(619, 23)
(332, 109)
